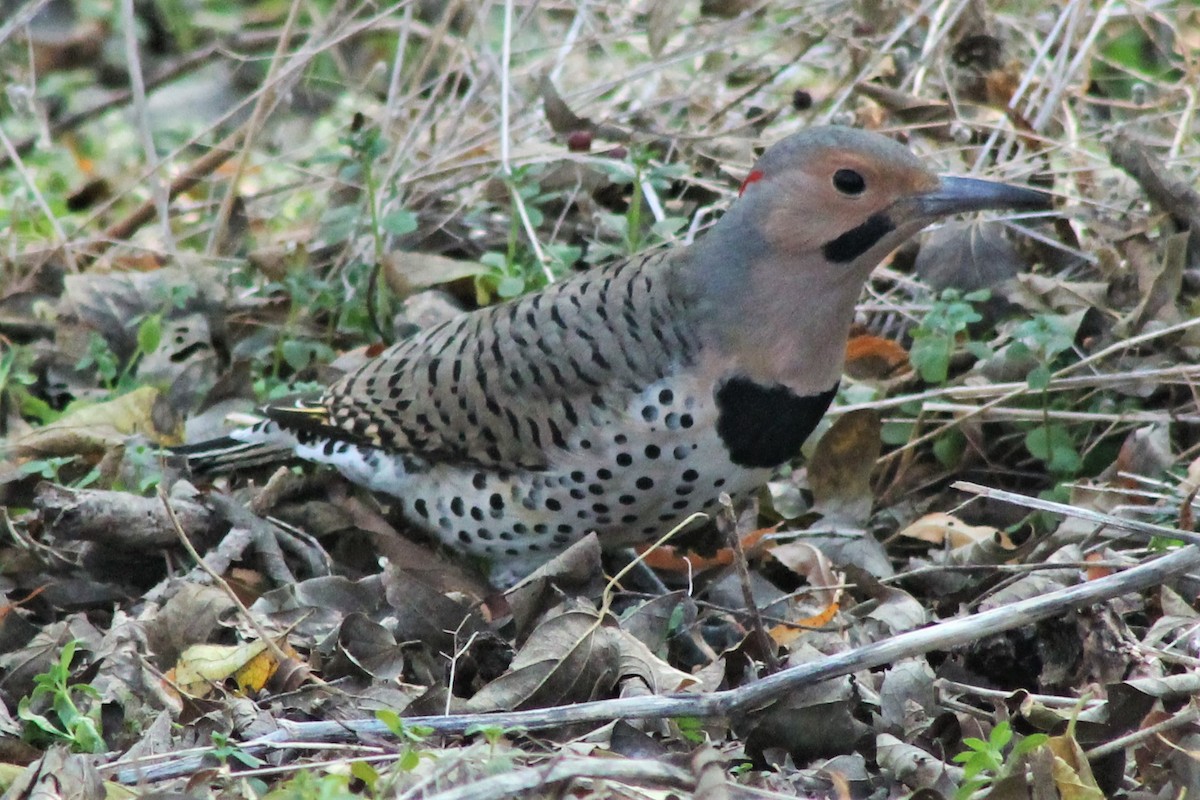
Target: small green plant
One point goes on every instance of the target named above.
(691, 729)
(410, 737)
(1041, 340)
(310, 296)
(106, 363)
(517, 270)
(144, 465)
(984, 762)
(60, 712)
(224, 749)
(365, 147)
(940, 332)
(493, 735)
(50, 468)
(632, 232)
(307, 785)
(15, 377)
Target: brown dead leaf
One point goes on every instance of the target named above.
(1072, 773)
(61, 775)
(727, 9)
(662, 21)
(577, 570)
(56, 48)
(93, 430)
(1146, 451)
(671, 559)
(907, 107)
(841, 466)
(659, 676)
(425, 614)
(370, 647)
(189, 617)
(1050, 293)
(572, 656)
(408, 271)
(916, 768)
(560, 116)
(809, 722)
(874, 357)
(941, 529)
(1160, 278)
(968, 256)
(823, 598)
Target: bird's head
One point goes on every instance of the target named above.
(840, 196)
(776, 279)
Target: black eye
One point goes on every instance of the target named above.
(847, 181)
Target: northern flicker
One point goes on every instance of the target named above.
(626, 398)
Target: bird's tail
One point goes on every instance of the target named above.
(227, 454)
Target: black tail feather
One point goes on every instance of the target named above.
(226, 454)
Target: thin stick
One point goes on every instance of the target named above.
(506, 143)
(1185, 717)
(1144, 529)
(159, 189)
(759, 631)
(1038, 414)
(267, 638)
(264, 101)
(60, 236)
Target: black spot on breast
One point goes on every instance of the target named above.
(858, 240)
(764, 426)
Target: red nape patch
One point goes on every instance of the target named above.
(754, 177)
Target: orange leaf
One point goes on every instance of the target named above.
(870, 356)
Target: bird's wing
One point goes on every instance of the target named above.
(505, 386)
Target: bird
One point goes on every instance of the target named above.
(628, 397)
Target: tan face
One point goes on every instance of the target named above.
(832, 194)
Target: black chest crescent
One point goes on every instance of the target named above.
(764, 426)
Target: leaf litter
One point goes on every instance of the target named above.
(1062, 371)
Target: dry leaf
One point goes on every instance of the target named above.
(841, 466)
(939, 528)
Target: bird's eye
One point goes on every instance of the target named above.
(847, 181)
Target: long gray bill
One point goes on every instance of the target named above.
(956, 195)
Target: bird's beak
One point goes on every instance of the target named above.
(955, 195)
